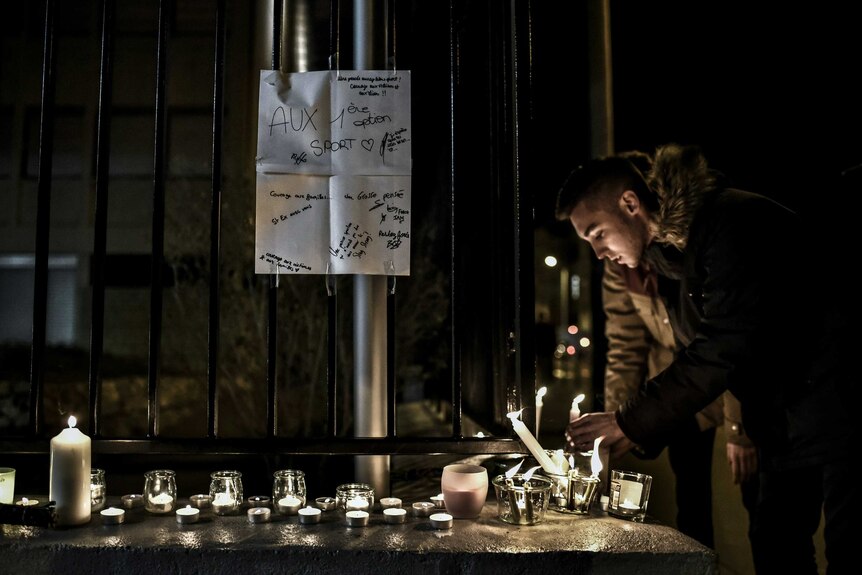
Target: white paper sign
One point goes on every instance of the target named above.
(333, 173)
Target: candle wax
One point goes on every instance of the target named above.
(70, 476)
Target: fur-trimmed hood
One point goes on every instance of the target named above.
(682, 180)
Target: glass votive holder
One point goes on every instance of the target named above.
(98, 489)
(582, 492)
(7, 485)
(522, 501)
(226, 491)
(354, 497)
(629, 495)
(465, 488)
(160, 491)
(559, 497)
(288, 482)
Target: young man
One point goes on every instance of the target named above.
(756, 324)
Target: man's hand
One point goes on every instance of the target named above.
(742, 461)
(581, 433)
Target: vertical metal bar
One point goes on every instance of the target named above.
(334, 35)
(331, 354)
(391, 411)
(272, 301)
(103, 158)
(215, 222)
(457, 430)
(331, 285)
(158, 240)
(43, 224)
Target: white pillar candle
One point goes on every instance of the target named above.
(531, 444)
(70, 476)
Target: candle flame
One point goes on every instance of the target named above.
(578, 398)
(72, 421)
(596, 461)
(514, 470)
(571, 461)
(24, 501)
(480, 434)
(529, 474)
(541, 393)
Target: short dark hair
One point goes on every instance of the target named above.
(589, 182)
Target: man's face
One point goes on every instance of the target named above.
(616, 231)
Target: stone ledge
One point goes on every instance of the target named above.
(227, 545)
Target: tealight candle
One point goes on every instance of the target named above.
(133, 501)
(289, 505)
(441, 521)
(161, 503)
(325, 503)
(357, 518)
(423, 508)
(438, 502)
(24, 502)
(224, 503)
(201, 501)
(390, 503)
(309, 515)
(259, 515)
(394, 515)
(113, 516)
(356, 504)
(188, 514)
(260, 501)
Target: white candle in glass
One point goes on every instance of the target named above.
(531, 443)
(356, 504)
(223, 503)
(70, 476)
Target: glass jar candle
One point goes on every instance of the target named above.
(288, 482)
(354, 497)
(160, 491)
(226, 491)
(98, 490)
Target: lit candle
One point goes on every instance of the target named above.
(70, 476)
(394, 515)
(575, 411)
(133, 501)
(539, 404)
(441, 521)
(438, 502)
(289, 505)
(24, 502)
(309, 515)
(259, 515)
(7, 485)
(188, 514)
(113, 516)
(389, 503)
(224, 503)
(259, 501)
(325, 503)
(356, 504)
(161, 503)
(531, 444)
(356, 518)
(202, 501)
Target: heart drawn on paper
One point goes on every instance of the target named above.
(367, 144)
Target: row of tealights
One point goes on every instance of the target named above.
(260, 509)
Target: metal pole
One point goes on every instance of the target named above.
(369, 305)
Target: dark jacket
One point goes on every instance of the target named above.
(736, 273)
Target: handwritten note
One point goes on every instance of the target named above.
(333, 173)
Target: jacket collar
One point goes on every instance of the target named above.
(681, 179)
